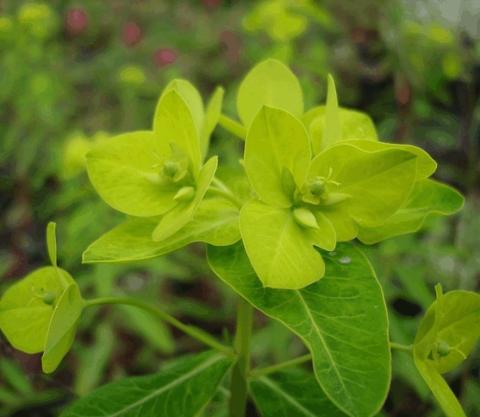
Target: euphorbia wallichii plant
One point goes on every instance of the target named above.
(279, 234)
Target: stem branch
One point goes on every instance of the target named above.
(192, 331)
(232, 126)
(221, 189)
(238, 383)
(399, 346)
(279, 366)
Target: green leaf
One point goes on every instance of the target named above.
(276, 142)
(52, 242)
(427, 198)
(426, 165)
(61, 330)
(191, 97)
(453, 320)
(333, 131)
(125, 171)
(14, 376)
(446, 335)
(181, 214)
(345, 227)
(215, 222)
(440, 389)
(269, 83)
(342, 319)
(376, 183)
(212, 115)
(354, 125)
(173, 123)
(293, 393)
(93, 360)
(280, 250)
(27, 307)
(181, 389)
(154, 331)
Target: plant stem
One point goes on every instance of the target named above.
(399, 346)
(232, 126)
(192, 331)
(277, 367)
(221, 189)
(238, 383)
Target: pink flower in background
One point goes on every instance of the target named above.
(132, 34)
(76, 21)
(211, 4)
(164, 57)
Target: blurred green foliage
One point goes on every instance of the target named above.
(73, 73)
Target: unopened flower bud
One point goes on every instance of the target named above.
(185, 194)
(48, 298)
(171, 168)
(443, 348)
(305, 218)
(317, 187)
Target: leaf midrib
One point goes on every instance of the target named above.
(289, 398)
(325, 346)
(168, 386)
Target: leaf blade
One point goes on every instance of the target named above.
(269, 83)
(362, 325)
(171, 392)
(292, 394)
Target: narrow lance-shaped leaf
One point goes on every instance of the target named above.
(342, 319)
(269, 83)
(181, 389)
(332, 132)
(52, 243)
(212, 115)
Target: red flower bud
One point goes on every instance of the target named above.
(131, 34)
(164, 56)
(211, 4)
(76, 21)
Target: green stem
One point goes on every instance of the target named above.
(232, 126)
(399, 346)
(279, 366)
(238, 383)
(221, 189)
(192, 331)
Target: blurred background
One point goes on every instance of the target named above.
(73, 73)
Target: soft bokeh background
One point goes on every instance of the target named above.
(73, 73)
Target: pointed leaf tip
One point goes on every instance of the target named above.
(52, 242)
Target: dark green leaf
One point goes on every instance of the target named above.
(341, 318)
(293, 393)
(181, 389)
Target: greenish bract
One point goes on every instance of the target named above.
(446, 336)
(317, 178)
(160, 172)
(40, 312)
